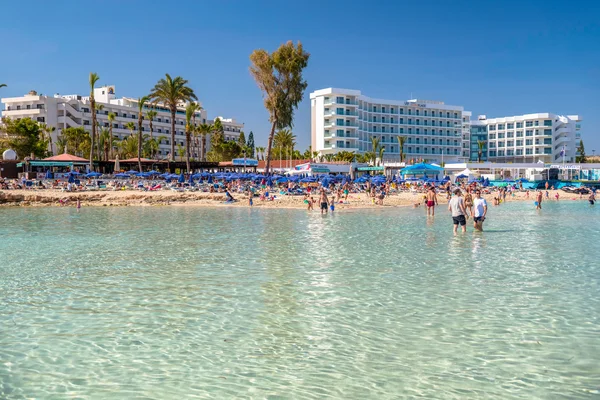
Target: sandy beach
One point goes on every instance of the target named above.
(48, 198)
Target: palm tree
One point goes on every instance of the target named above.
(61, 144)
(131, 127)
(47, 131)
(105, 141)
(150, 115)
(480, 145)
(111, 118)
(381, 151)
(190, 111)
(141, 102)
(99, 107)
(2, 85)
(171, 92)
(204, 130)
(375, 148)
(92, 80)
(401, 141)
(328, 157)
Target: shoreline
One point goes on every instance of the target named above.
(51, 198)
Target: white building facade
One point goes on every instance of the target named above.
(532, 138)
(74, 111)
(346, 120)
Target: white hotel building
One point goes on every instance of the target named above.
(532, 138)
(74, 111)
(345, 120)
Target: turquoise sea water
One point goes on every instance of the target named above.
(186, 302)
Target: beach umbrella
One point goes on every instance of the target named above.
(461, 176)
(210, 179)
(117, 165)
(93, 175)
(132, 172)
(122, 175)
(181, 178)
(71, 178)
(48, 174)
(191, 179)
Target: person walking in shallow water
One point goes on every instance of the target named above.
(538, 201)
(431, 201)
(456, 206)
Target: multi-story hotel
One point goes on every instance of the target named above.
(530, 138)
(343, 119)
(74, 111)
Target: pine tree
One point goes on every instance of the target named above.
(580, 158)
(242, 139)
(250, 144)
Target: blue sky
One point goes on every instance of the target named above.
(494, 58)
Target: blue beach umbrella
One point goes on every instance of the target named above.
(71, 178)
(48, 174)
(181, 178)
(132, 172)
(122, 175)
(93, 175)
(191, 179)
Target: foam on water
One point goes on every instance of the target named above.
(167, 303)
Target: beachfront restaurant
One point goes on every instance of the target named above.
(55, 167)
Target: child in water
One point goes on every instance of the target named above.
(332, 204)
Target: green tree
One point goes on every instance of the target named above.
(401, 141)
(150, 115)
(203, 131)
(171, 92)
(284, 141)
(242, 139)
(25, 137)
(218, 133)
(581, 158)
(92, 80)
(345, 156)
(2, 85)
(190, 111)
(47, 132)
(111, 119)
(128, 146)
(480, 147)
(279, 77)
(250, 144)
(98, 107)
(78, 140)
(374, 148)
(105, 141)
(381, 151)
(140, 103)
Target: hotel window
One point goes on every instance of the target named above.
(500, 127)
(418, 131)
(391, 120)
(520, 142)
(409, 150)
(401, 130)
(455, 115)
(529, 142)
(159, 119)
(418, 149)
(409, 130)
(417, 141)
(383, 129)
(418, 122)
(392, 129)
(519, 152)
(425, 131)
(382, 109)
(392, 110)
(410, 121)
(528, 124)
(425, 122)
(402, 111)
(339, 122)
(510, 143)
(510, 126)
(374, 118)
(510, 134)
(410, 111)
(41, 119)
(383, 119)
(447, 142)
(417, 112)
(528, 151)
(117, 125)
(401, 120)
(492, 154)
(519, 125)
(547, 122)
(492, 127)
(536, 123)
(500, 153)
(547, 132)
(529, 132)
(374, 108)
(339, 100)
(425, 113)
(538, 151)
(425, 141)
(500, 135)
(447, 115)
(447, 133)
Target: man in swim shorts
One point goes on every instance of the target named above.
(431, 201)
(324, 201)
(456, 206)
(592, 198)
(538, 199)
(479, 211)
